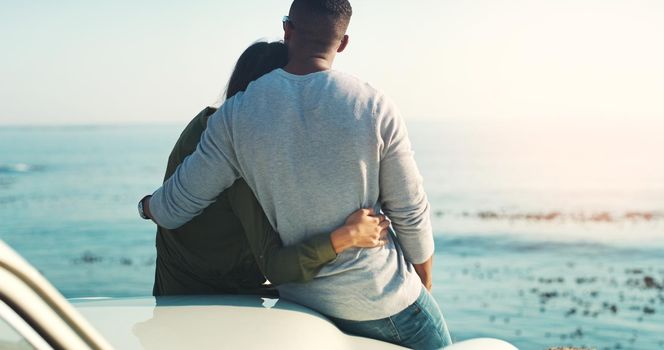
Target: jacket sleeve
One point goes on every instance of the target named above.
(297, 263)
(402, 195)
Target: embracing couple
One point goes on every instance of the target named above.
(263, 188)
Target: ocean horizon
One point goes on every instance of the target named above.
(546, 235)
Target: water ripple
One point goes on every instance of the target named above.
(19, 168)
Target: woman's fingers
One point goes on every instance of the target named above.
(373, 228)
(383, 238)
(384, 224)
(375, 220)
(374, 241)
(360, 216)
(383, 234)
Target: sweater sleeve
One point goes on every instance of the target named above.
(296, 263)
(402, 194)
(202, 176)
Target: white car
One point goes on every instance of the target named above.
(34, 315)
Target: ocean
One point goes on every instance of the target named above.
(546, 235)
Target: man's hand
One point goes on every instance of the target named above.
(363, 229)
(424, 270)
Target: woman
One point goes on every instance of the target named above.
(231, 246)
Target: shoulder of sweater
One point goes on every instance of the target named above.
(380, 102)
(357, 82)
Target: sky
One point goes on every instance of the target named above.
(542, 61)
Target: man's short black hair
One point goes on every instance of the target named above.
(339, 9)
(322, 21)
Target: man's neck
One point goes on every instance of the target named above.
(308, 65)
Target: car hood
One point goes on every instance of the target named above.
(213, 322)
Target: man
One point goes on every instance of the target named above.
(231, 247)
(310, 140)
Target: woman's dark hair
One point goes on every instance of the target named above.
(257, 60)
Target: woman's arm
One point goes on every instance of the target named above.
(202, 176)
(300, 262)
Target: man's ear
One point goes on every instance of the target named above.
(344, 44)
(288, 32)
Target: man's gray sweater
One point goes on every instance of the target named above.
(314, 149)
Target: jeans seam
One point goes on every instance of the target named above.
(439, 331)
(395, 330)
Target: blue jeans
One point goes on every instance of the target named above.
(419, 326)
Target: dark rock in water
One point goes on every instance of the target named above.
(648, 310)
(548, 295)
(88, 258)
(126, 261)
(551, 280)
(570, 312)
(578, 333)
(585, 280)
(485, 215)
(611, 307)
(650, 283)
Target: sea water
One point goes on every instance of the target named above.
(546, 235)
